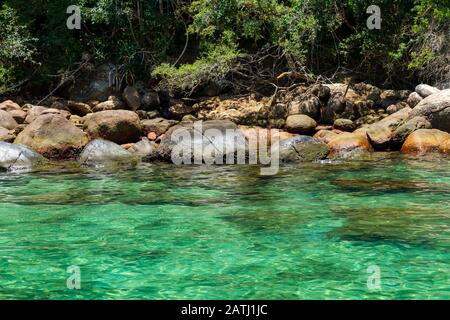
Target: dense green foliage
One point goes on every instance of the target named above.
(147, 38)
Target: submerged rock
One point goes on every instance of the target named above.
(53, 136)
(389, 224)
(100, 151)
(15, 157)
(302, 149)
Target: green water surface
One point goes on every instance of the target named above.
(225, 232)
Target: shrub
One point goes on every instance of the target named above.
(16, 46)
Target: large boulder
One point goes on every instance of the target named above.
(197, 141)
(301, 124)
(347, 143)
(424, 141)
(53, 136)
(158, 125)
(15, 157)
(100, 151)
(401, 133)
(380, 133)
(301, 149)
(425, 90)
(445, 146)
(7, 121)
(436, 108)
(132, 97)
(119, 126)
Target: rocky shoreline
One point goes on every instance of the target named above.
(316, 122)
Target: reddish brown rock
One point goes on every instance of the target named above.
(445, 146)
(347, 143)
(425, 141)
(152, 136)
(325, 135)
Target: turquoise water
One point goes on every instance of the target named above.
(166, 232)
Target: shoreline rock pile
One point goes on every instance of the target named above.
(316, 122)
